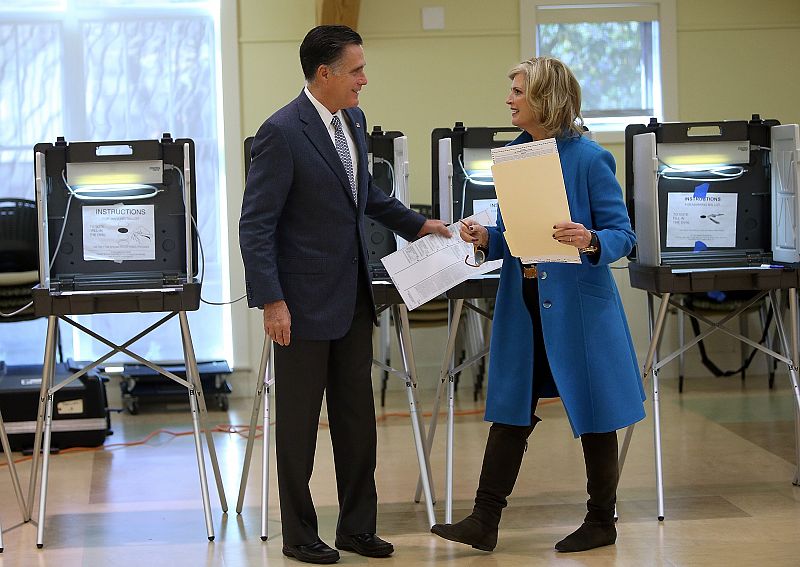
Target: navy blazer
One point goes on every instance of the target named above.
(301, 235)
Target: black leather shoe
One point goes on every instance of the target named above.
(317, 552)
(368, 545)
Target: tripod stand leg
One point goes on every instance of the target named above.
(201, 465)
(194, 378)
(790, 349)
(47, 377)
(265, 462)
(48, 422)
(404, 342)
(655, 334)
(451, 395)
(251, 432)
(454, 318)
(13, 470)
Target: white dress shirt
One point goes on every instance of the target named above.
(326, 117)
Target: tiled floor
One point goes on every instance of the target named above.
(728, 465)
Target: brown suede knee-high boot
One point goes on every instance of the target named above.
(602, 475)
(501, 463)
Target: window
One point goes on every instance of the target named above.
(622, 54)
(116, 70)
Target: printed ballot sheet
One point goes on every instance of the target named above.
(426, 268)
(530, 189)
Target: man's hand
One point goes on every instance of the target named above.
(277, 321)
(434, 226)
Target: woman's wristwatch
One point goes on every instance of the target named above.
(594, 245)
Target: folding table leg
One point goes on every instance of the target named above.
(448, 484)
(48, 422)
(47, 370)
(265, 462)
(655, 337)
(12, 469)
(45, 418)
(194, 377)
(790, 348)
(201, 464)
(444, 382)
(657, 405)
(400, 314)
(14, 478)
(251, 432)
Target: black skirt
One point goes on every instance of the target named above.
(543, 384)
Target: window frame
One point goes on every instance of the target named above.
(667, 50)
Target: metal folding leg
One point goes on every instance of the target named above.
(263, 386)
(789, 345)
(447, 382)
(195, 399)
(384, 346)
(790, 348)
(48, 390)
(47, 378)
(655, 337)
(14, 478)
(194, 377)
(409, 375)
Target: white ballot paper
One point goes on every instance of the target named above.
(428, 267)
(530, 189)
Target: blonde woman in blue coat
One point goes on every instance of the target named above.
(559, 329)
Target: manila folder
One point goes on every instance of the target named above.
(532, 199)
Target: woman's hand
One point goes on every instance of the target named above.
(474, 233)
(572, 233)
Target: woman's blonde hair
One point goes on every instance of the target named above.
(553, 92)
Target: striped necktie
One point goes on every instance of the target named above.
(344, 154)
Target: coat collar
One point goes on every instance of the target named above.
(525, 137)
(317, 133)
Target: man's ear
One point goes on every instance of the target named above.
(323, 73)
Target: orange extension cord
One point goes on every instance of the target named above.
(242, 430)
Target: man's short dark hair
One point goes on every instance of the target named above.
(323, 45)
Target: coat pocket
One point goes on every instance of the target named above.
(287, 265)
(595, 290)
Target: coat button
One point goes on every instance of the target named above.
(355, 261)
(547, 305)
(543, 276)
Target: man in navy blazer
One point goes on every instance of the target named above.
(303, 241)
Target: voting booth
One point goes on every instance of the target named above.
(461, 178)
(714, 207)
(703, 193)
(387, 160)
(117, 235)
